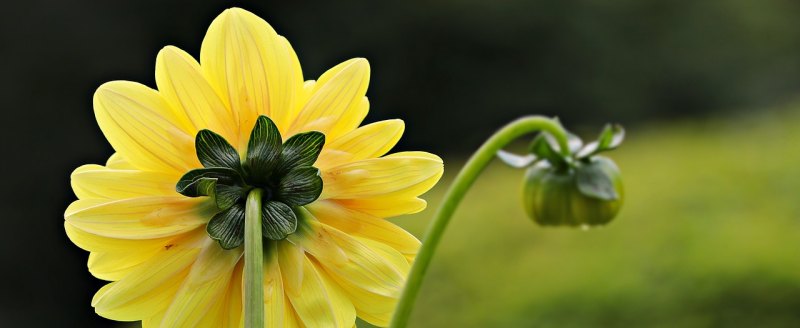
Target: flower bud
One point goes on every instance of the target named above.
(588, 193)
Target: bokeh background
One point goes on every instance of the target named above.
(709, 91)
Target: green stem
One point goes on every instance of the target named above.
(479, 160)
(253, 262)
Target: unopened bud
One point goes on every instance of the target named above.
(588, 194)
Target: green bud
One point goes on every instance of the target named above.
(587, 193)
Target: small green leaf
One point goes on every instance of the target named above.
(227, 227)
(202, 182)
(610, 138)
(543, 149)
(214, 151)
(574, 142)
(300, 186)
(514, 160)
(278, 220)
(263, 150)
(594, 182)
(224, 184)
(198, 187)
(301, 150)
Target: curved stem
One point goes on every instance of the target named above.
(479, 160)
(253, 262)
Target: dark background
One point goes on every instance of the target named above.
(453, 70)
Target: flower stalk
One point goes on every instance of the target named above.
(253, 262)
(472, 169)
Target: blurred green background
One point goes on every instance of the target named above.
(708, 90)
(708, 237)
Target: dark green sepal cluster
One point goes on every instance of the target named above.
(284, 171)
(574, 187)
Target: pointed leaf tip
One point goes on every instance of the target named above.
(514, 160)
(263, 149)
(610, 138)
(301, 150)
(214, 151)
(220, 182)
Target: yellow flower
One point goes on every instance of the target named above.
(343, 259)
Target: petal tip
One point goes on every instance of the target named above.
(361, 63)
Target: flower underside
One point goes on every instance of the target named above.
(284, 171)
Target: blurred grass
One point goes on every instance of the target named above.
(708, 237)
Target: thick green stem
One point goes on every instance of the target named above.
(253, 262)
(455, 194)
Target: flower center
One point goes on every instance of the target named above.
(283, 170)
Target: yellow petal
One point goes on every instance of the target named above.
(115, 161)
(374, 308)
(206, 284)
(217, 314)
(363, 225)
(385, 207)
(289, 108)
(154, 320)
(380, 271)
(407, 174)
(372, 276)
(140, 218)
(95, 243)
(114, 266)
(141, 126)
(180, 81)
(291, 260)
(234, 300)
(369, 141)
(321, 302)
(308, 90)
(314, 239)
(151, 286)
(337, 105)
(247, 62)
(95, 181)
(278, 310)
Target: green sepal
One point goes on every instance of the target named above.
(610, 138)
(278, 220)
(542, 148)
(224, 184)
(225, 196)
(514, 160)
(201, 182)
(197, 187)
(227, 227)
(300, 186)
(301, 150)
(573, 141)
(263, 150)
(594, 182)
(214, 151)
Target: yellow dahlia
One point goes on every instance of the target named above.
(163, 218)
